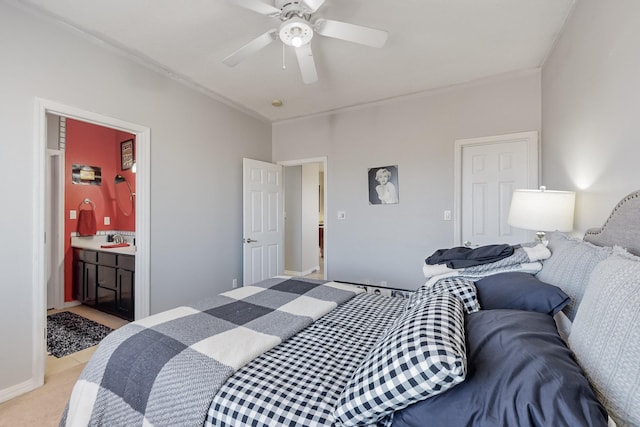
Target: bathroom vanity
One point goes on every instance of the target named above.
(104, 279)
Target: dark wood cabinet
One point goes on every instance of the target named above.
(90, 279)
(124, 300)
(105, 281)
(86, 275)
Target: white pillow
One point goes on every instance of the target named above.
(570, 266)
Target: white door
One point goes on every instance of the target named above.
(490, 169)
(263, 221)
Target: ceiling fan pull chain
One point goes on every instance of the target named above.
(284, 65)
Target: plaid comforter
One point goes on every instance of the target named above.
(299, 382)
(165, 369)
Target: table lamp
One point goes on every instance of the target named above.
(542, 210)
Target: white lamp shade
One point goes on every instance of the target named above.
(542, 210)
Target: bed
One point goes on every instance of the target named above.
(475, 346)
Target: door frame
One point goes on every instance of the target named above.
(322, 160)
(533, 147)
(142, 264)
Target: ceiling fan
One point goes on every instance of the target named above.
(297, 30)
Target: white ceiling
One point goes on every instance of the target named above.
(431, 44)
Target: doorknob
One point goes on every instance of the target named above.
(249, 240)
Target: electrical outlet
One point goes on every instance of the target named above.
(383, 283)
(367, 282)
(234, 283)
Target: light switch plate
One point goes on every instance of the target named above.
(107, 220)
(342, 215)
(73, 214)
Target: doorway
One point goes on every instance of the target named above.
(96, 202)
(43, 211)
(305, 225)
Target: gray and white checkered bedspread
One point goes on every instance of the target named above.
(164, 370)
(299, 382)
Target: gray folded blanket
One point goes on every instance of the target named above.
(462, 257)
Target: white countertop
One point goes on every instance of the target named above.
(95, 242)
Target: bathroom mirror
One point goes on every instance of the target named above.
(124, 195)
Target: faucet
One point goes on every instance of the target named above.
(118, 238)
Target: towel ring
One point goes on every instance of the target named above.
(87, 201)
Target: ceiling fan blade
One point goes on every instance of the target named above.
(312, 5)
(258, 6)
(250, 48)
(306, 63)
(351, 32)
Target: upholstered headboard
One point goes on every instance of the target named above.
(605, 337)
(622, 228)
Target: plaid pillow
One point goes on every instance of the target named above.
(422, 355)
(461, 287)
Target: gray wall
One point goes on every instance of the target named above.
(197, 146)
(293, 219)
(310, 216)
(53, 131)
(591, 107)
(389, 242)
(302, 216)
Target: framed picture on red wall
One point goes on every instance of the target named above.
(127, 157)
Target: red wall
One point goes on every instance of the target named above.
(93, 145)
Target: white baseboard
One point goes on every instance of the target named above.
(65, 305)
(18, 389)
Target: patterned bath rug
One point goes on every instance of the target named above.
(68, 333)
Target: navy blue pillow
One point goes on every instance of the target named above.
(520, 291)
(519, 373)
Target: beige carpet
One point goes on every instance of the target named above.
(43, 406)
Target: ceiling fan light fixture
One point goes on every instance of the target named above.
(295, 32)
(296, 41)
